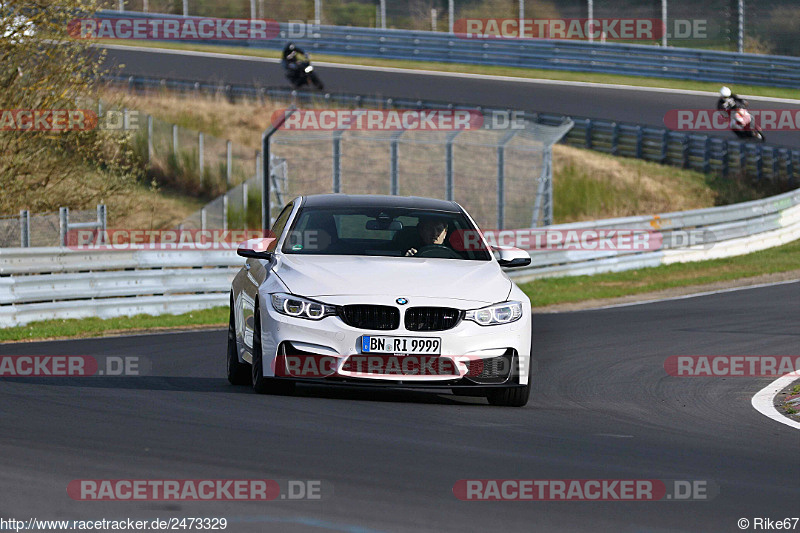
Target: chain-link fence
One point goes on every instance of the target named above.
(47, 229)
(770, 26)
(192, 162)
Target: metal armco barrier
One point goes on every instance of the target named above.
(606, 58)
(46, 283)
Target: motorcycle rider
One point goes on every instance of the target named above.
(290, 61)
(728, 101)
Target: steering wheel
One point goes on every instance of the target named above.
(437, 250)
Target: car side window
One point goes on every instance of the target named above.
(279, 225)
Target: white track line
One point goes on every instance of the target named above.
(537, 81)
(764, 400)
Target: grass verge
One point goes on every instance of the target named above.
(550, 291)
(96, 327)
(543, 292)
(516, 72)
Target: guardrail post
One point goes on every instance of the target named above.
(63, 225)
(724, 159)
(639, 142)
(759, 163)
(614, 138)
(228, 161)
(126, 119)
(588, 133)
(25, 228)
(175, 140)
(203, 218)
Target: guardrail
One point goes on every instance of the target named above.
(46, 283)
(606, 58)
(703, 153)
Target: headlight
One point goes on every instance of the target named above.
(291, 305)
(503, 313)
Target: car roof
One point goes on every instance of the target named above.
(379, 200)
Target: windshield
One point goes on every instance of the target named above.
(385, 231)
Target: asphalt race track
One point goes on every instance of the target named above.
(602, 407)
(638, 105)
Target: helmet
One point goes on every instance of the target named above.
(725, 92)
(290, 47)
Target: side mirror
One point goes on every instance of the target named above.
(256, 248)
(512, 257)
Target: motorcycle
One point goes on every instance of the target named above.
(302, 75)
(744, 128)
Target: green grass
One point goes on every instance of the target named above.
(518, 72)
(579, 288)
(95, 327)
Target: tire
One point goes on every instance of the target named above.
(238, 372)
(316, 81)
(516, 396)
(513, 396)
(261, 384)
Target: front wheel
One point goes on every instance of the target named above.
(238, 372)
(261, 384)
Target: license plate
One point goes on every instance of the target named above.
(406, 345)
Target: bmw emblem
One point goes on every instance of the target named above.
(401, 301)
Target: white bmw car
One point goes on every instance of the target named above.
(379, 291)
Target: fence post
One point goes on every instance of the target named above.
(448, 183)
(244, 204)
(63, 225)
(175, 140)
(229, 161)
(149, 139)
(25, 228)
(501, 177)
(393, 163)
(101, 222)
(203, 219)
(225, 212)
(337, 161)
(200, 155)
(185, 8)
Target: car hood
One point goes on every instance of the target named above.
(320, 275)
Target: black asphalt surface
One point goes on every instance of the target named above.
(602, 407)
(625, 105)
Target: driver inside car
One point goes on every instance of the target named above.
(431, 231)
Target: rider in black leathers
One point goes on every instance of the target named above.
(729, 101)
(289, 60)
